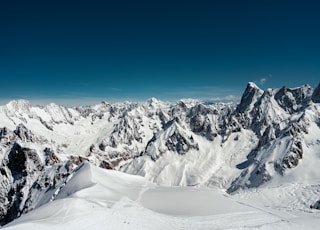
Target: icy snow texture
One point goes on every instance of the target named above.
(99, 199)
(270, 139)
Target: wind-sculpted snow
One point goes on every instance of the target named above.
(94, 198)
(269, 136)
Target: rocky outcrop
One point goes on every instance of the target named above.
(24, 134)
(180, 144)
(293, 100)
(19, 169)
(126, 131)
(316, 205)
(316, 95)
(47, 185)
(51, 157)
(251, 94)
(200, 119)
(281, 125)
(268, 128)
(172, 139)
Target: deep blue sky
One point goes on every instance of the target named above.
(133, 50)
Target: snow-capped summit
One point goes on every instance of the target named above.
(18, 106)
(270, 137)
(153, 101)
(295, 99)
(59, 113)
(250, 96)
(173, 139)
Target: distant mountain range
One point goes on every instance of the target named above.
(271, 137)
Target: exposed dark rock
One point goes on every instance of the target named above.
(270, 116)
(23, 165)
(181, 144)
(316, 94)
(23, 133)
(92, 148)
(253, 179)
(249, 97)
(125, 132)
(77, 160)
(20, 159)
(197, 124)
(103, 145)
(3, 132)
(47, 185)
(95, 116)
(50, 127)
(178, 110)
(105, 164)
(85, 111)
(51, 157)
(316, 205)
(293, 100)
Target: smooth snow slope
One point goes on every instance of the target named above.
(95, 198)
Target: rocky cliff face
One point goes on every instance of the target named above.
(316, 95)
(267, 135)
(21, 170)
(280, 118)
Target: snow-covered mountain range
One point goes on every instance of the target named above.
(270, 139)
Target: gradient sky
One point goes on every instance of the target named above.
(86, 51)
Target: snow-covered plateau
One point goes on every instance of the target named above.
(164, 165)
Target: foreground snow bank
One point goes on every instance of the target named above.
(103, 199)
(190, 202)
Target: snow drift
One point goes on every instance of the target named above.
(270, 139)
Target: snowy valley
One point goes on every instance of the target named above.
(193, 165)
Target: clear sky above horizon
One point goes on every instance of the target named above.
(87, 51)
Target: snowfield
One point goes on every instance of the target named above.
(163, 165)
(96, 198)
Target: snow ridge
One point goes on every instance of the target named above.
(270, 137)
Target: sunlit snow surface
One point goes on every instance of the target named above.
(95, 198)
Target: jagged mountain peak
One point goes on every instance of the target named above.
(19, 102)
(60, 113)
(293, 99)
(173, 138)
(172, 126)
(153, 100)
(155, 104)
(270, 134)
(253, 85)
(271, 106)
(250, 96)
(190, 102)
(18, 106)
